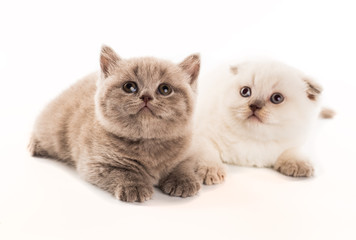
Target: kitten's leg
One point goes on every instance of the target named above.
(290, 163)
(182, 181)
(127, 182)
(209, 168)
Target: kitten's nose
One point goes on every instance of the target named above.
(146, 98)
(256, 106)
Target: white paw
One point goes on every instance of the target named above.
(211, 173)
(295, 168)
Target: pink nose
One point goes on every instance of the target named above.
(146, 98)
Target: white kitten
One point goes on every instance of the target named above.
(257, 114)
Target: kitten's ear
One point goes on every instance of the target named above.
(234, 69)
(191, 65)
(108, 61)
(313, 89)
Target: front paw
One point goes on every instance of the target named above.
(134, 193)
(295, 168)
(180, 186)
(211, 173)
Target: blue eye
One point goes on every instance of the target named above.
(245, 92)
(277, 98)
(130, 87)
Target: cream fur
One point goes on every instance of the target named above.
(225, 133)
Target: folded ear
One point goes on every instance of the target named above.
(313, 89)
(108, 61)
(191, 65)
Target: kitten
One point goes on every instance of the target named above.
(258, 114)
(127, 128)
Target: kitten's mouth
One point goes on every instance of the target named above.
(254, 117)
(145, 109)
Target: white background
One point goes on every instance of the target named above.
(47, 45)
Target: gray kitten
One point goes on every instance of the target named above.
(127, 128)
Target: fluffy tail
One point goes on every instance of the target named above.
(327, 113)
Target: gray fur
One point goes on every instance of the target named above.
(115, 142)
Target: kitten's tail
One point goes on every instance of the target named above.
(327, 113)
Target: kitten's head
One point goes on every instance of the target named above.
(146, 97)
(267, 97)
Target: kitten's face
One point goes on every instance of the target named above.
(147, 97)
(265, 95)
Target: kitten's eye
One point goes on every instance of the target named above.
(164, 89)
(277, 98)
(245, 92)
(130, 87)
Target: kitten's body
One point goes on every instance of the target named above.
(274, 136)
(77, 135)
(126, 142)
